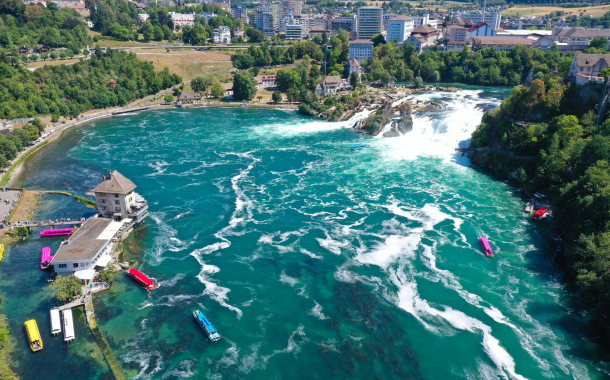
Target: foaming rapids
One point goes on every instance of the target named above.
(438, 133)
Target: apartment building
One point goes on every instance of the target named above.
(369, 22)
(399, 28)
(493, 20)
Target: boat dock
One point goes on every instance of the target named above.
(52, 224)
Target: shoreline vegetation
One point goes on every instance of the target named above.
(548, 137)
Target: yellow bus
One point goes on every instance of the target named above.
(33, 335)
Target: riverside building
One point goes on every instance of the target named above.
(400, 28)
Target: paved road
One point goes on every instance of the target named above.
(8, 200)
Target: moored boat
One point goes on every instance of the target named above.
(33, 335)
(207, 327)
(141, 278)
(68, 326)
(46, 258)
(540, 214)
(486, 247)
(529, 207)
(56, 232)
(1, 251)
(55, 322)
(356, 147)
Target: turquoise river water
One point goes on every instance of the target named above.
(313, 261)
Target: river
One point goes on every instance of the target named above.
(313, 261)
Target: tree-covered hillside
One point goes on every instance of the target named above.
(572, 164)
(108, 79)
(30, 25)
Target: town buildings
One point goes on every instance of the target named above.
(264, 22)
(295, 32)
(400, 28)
(424, 20)
(241, 13)
(492, 19)
(318, 31)
(369, 22)
(294, 6)
(361, 49)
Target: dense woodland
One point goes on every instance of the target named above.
(30, 25)
(108, 79)
(573, 165)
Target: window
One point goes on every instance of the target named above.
(63, 265)
(75, 265)
(117, 209)
(116, 195)
(117, 202)
(102, 201)
(103, 207)
(103, 194)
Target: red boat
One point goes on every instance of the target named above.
(142, 279)
(540, 213)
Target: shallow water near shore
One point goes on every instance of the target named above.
(311, 260)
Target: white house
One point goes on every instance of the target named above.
(361, 49)
(182, 19)
(222, 35)
(329, 86)
(354, 67)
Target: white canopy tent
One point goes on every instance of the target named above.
(85, 275)
(103, 260)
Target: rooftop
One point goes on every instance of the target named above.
(115, 183)
(401, 18)
(361, 41)
(592, 59)
(503, 41)
(85, 243)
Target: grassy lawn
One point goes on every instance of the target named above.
(188, 63)
(541, 11)
(114, 42)
(53, 62)
(27, 206)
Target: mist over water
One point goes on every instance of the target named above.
(315, 261)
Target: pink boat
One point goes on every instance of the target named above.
(56, 232)
(486, 247)
(45, 261)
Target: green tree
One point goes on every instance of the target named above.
(109, 275)
(600, 43)
(354, 79)
(277, 96)
(292, 95)
(243, 86)
(168, 98)
(147, 30)
(66, 288)
(53, 55)
(198, 84)
(63, 55)
(217, 90)
(436, 76)
(419, 82)
(158, 33)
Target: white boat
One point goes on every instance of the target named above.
(55, 322)
(529, 207)
(68, 326)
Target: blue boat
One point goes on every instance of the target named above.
(207, 327)
(356, 147)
